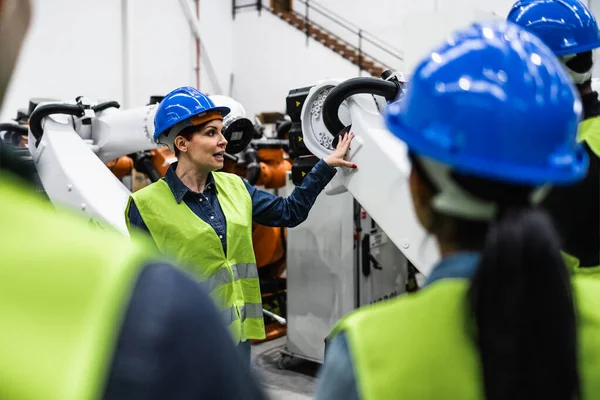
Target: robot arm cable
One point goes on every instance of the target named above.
(283, 129)
(41, 112)
(387, 89)
(105, 105)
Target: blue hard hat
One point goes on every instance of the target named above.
(493, 101)
(566, 26)
(180, 105)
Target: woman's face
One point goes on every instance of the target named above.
(205, 148)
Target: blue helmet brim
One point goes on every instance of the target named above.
(418, 143)
(578, 49)
(224, 111)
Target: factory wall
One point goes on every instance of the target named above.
(594, 5)
(68, 52)
(217, 30)
(384, 18)
(74, 47)
(271, 57)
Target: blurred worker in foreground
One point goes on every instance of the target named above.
(489, 118)
(570, 30)
(204, 218)
(88, 315)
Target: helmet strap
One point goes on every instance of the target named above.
(579, 66)
(454, 201)
(167, 140)
(451, 199)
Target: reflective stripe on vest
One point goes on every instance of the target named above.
(231, 279)
(223, 277)
(248, 310)
(62, 305)
(420, 345)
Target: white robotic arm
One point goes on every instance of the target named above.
(70, 143)
(381, 182)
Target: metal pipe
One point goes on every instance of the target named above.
(276, 317)
(126, 45)
(307, 22)
(325, 11)
(189, 13)
(350, 45)
(198, 53)
(344, 23)
(360, 54)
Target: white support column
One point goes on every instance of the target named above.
(594, 6)
(127, 58)
(190, 15)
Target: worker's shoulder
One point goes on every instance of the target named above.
(587, 302)
(222, 178)
(150, 190)
(433, 321)
(29, 221)
(587, 293)
(438, 300)
(226, 176)
(589, 132)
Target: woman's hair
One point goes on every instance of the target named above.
(520, 296)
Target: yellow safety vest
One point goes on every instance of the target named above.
(232, 278)
(574, 267)
(589, 132)
(418, 346)
(64, 289)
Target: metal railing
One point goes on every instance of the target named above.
(362, 35)
(311, 8)
(257, 5)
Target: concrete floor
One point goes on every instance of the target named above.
(297, 382)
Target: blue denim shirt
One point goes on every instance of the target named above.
(337, 379)
(267, 209)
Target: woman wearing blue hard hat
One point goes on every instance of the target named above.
(569, 28)
(489, 119)
(204, 218)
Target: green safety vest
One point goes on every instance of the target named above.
(64, 289)
(574, 267)
(589, 132)
(232, 279)
(420, 346)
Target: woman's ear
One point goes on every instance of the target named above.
(180, 143)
